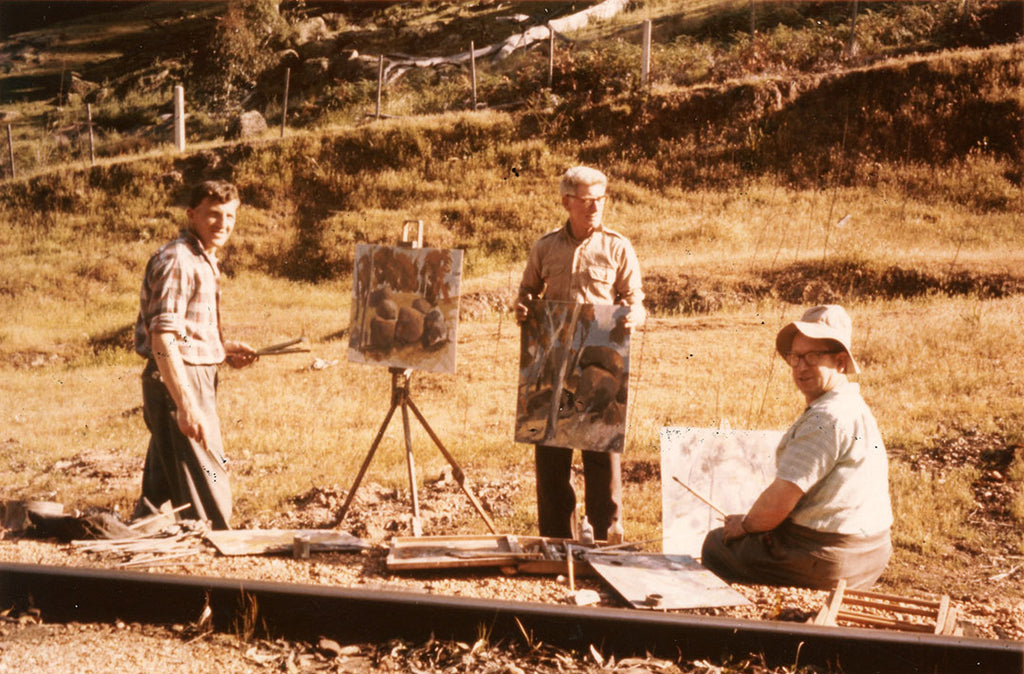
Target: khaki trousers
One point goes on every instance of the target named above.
(793, 555)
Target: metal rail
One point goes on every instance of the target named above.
(305, 612)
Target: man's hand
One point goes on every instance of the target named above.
(636, 317)
(239, 354)
(521, 312)
(191, 421)
(733, 528)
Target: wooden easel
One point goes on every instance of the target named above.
(400, 397)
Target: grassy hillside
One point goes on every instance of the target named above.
(754, 177)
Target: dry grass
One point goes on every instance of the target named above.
(74, 244)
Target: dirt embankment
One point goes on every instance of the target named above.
(815, 283)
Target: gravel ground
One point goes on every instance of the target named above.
(989, 599)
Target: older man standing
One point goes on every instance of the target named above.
(178, 331)
(826, 516)
(583, 262)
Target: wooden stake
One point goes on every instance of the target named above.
(472, 69)
(284, 102)
(10, 151)
(380, 81)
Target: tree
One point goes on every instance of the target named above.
(242, 47)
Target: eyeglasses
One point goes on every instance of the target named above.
(812, 358)
(590, 201)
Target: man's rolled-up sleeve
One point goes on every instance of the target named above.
(170, 289)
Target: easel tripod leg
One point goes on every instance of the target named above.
(366, 464)
(417, 526)
(457, 473)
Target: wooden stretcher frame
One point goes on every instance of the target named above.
(863, 608)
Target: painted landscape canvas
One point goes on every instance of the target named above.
(573, 376)
(405, 307)
(728, 468)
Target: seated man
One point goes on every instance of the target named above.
(827, 515)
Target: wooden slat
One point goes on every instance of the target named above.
(875, 621)
(885, 606)
(892, 597)
(827, 614)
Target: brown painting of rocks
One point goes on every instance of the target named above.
(405, 307)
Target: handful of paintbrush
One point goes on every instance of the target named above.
(291, 346)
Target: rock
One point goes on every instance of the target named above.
(421, 305)
(247, 125)
(388, 310)
(586, 598)
(329, 647)
(409, 329)
(382, 333)
(309, 30)
(435, 329)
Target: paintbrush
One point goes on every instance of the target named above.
(703, 500)
(283, 347)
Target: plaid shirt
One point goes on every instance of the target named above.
(181, 294)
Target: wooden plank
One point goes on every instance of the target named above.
(942, 614)
(235, 542)
(892, 597)
(888, 606)
(451, 552)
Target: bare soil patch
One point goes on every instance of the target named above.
(819, 283)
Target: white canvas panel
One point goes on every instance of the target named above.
(729, 468)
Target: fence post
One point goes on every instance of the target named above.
(551, 55)
(92, 138)
(472, 69)
(284, 103)
(10, 151)
(645, 65)
(179, 117)
(380, 81)
(851, 44)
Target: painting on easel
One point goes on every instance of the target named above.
(405, 307)
(727, 468)
(573, 376)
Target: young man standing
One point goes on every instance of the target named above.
(178, 331)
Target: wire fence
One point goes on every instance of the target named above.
(70, 135)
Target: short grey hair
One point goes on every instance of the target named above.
(581, 175)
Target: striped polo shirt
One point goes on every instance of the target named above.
(181, 295)
(835, 455)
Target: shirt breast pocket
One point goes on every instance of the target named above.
(601, 278)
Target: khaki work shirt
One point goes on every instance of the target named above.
(601, 269)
